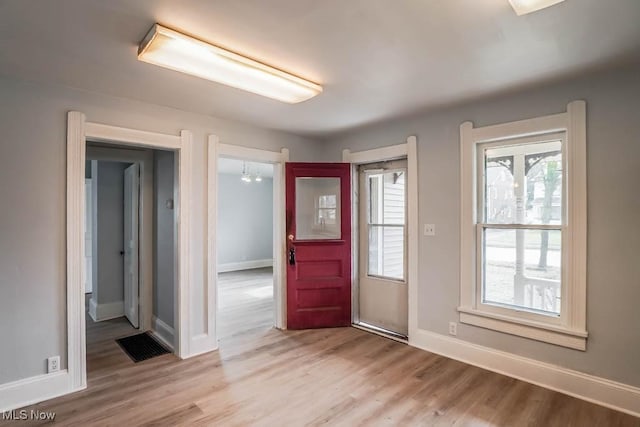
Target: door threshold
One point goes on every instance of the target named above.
(381, 331)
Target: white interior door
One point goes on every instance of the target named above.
(131, 261)
(382, 285)
(88, 214)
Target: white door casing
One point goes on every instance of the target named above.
(131, 258)
(88, 282)
(191, 339)
(406, 150)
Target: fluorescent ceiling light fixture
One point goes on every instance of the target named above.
(171, 49)
(522, 7)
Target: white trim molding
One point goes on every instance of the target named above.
(611, 394)
(569, 328)
(185, 338)
(107, 311)
(216, 150)
(76, 339)
(163, 332)
(409, 149)
(18, 394)
(244, 265)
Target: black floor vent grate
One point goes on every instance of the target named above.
(141, 347)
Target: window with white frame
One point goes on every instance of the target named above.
(524, 227)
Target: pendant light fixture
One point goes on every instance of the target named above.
(245, 175)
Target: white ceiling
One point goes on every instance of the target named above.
(376, 59)
(234, 167)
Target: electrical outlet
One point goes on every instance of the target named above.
(429, 229)
(453, 328)
(53, 364)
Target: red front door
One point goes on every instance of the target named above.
(318, 245)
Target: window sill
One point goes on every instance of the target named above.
(525, 328)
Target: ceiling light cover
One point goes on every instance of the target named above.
(171, 49)
(522, 7)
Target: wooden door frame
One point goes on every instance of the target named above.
(408, 150)
(217, 150)
(78, 131)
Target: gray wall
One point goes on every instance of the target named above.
(164, 224)
(33, 120)
(108, 263)
(32, 221)
(245, 219)
(613, 149)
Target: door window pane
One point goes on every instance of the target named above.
(386, 222)
(317, 208)
(386, 251)
(523, 184)
(387, 198)
(522, 268)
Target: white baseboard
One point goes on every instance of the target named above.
(614, 395)
(163, 332)
(93, 308)
(244, 265)
(100, 312)
(29, 391)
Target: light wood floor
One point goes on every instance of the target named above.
(103, 353)
(245, 302)
(341, 376)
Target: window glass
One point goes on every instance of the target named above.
(523, 184)
(522, 268)
(317, 208)
(386, 217)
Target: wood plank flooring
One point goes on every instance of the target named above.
(103, 353)
(341, 376)
(245, 301)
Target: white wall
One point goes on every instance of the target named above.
(163, 283)
(613, 149)
(245, 220)
(32, 220)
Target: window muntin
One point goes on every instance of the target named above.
(520, 225)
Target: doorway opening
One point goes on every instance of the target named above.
(187, 343)
(277, 160)
(130, 249)
(245, 241)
